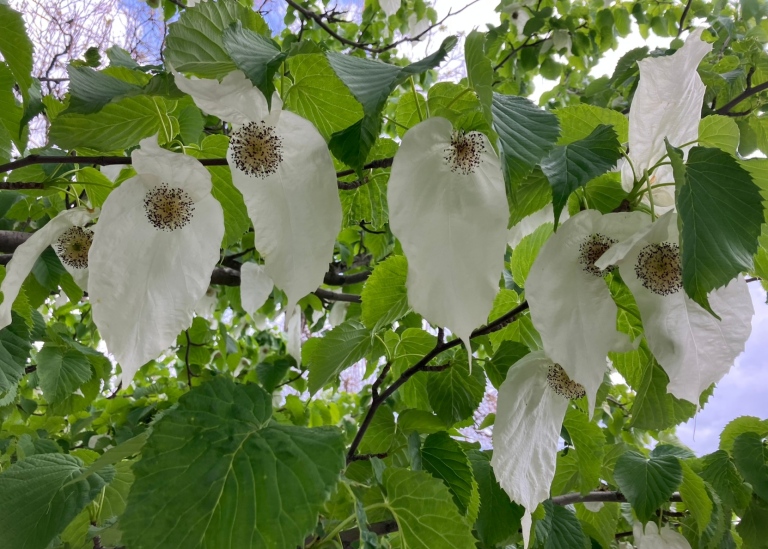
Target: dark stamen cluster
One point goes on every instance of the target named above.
(658, 268)
(563, 385)
(73, 245)
(463, 156)
(168, 208)
(592, 249)
(257, 150)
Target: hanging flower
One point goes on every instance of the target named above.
(532, 403)
(153, 254)
(694, 348)
(448, 208)
(390, 7)
(281, 165)
(571, 305)
(655, 538)
(519, 15)
(667, 104)
(70, 238)
(255, 287)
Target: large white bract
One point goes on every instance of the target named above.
(651, 537)
(448, 208)
(667, 104)
(571, 305)
(694, 348)
(282, 166)
(255, 287)
(152, 257)
(70, 239)
(532, 403)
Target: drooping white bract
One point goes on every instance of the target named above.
(532, 403)
(282, 166)
(448, 208)
(292, 327)
(667, 103)
(71, 241)
(153, 254)
(655, 538)
(570, 303)
(255, 287)
(390, 7)
(533, 221)
(694, 348)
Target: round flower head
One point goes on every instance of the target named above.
(571, 305)
(667, 103)
(532, 403)
(255, 287)
(448, 208)
(70, 239)
(694, 348)
(152, 257)
(281, 165)
(651, 537)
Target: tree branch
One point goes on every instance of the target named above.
(746, 94)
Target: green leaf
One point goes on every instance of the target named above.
(571, 166)
(381, 432)
(264, 482)
(455, 394)
(14, 351)
(695, 497)
(444, 458)
(39, 498)
(90, 90)
(256, 55)
(413, 345)
(529, 196)
(560, 528)
(479, 71)
(325, 357)
(526, 133)
(753, 527)
(600, 525)
(526, 252)
(719, 471)
(97, 185)
(236, 220)
(118, 125)
(589, 440)
(409, 107)
(507, 353)
(751, 458)
(578, 121)
(424, 511)
(16, 48)
(721, 212)
(384, 296)
(647, 482)
(742, 424)
(499, 517)
(605, 193)
(10, 110)
(720, 132)
(369, 202)
(61, 371)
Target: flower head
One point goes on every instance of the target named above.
(152, 257)
(571, 305)
(281, 165)
(694, 348)
(448, 208)
(71, 241)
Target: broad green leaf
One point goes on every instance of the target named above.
(380, 434)
(14, 351)
(454, 102)
(420, 421)
(719, 471)
(589, 440)
(499, 517)
(444, 458)
(116, 454)
(720, 132)
(647, 482)
(413, 345)
(507, 353)
(16, 48)
(560, 528)
(409, 107)
(571, 166)
(721, 213)
(256, 55)
(455, 394)
(578, 121)
(742, 424)
(753, 526)
(11, 111)
(320, 96)
(384, 295)
(479, 71)
(118, 125)
(695, 497)
(526, 252)
(61, 371)
(369, 202)
(6, 145)
(236, 221)
(264, 482)
(526, 133)
(605, 193)
(325, 357)
(424, 511)
(90, 90)
(39, 498)
(601, 525)
(97, 185)
(529, 196)
(505, 301)
(751, 458)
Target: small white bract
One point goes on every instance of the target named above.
(654, 538)
(255, 287)
(155, 248)
(390, 7)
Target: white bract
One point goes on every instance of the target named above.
(448, 208)
(281, 165)
(667, 104)
(531, 222)
(655, 538)
(532, 403)
(292, 328)
(694, 348)
(70, 239)
(390, 7)
(153, 254)
(255, 287)
(519, 16)
(570, 303)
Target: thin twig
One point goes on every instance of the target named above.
(681, 25)
(746, 94)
